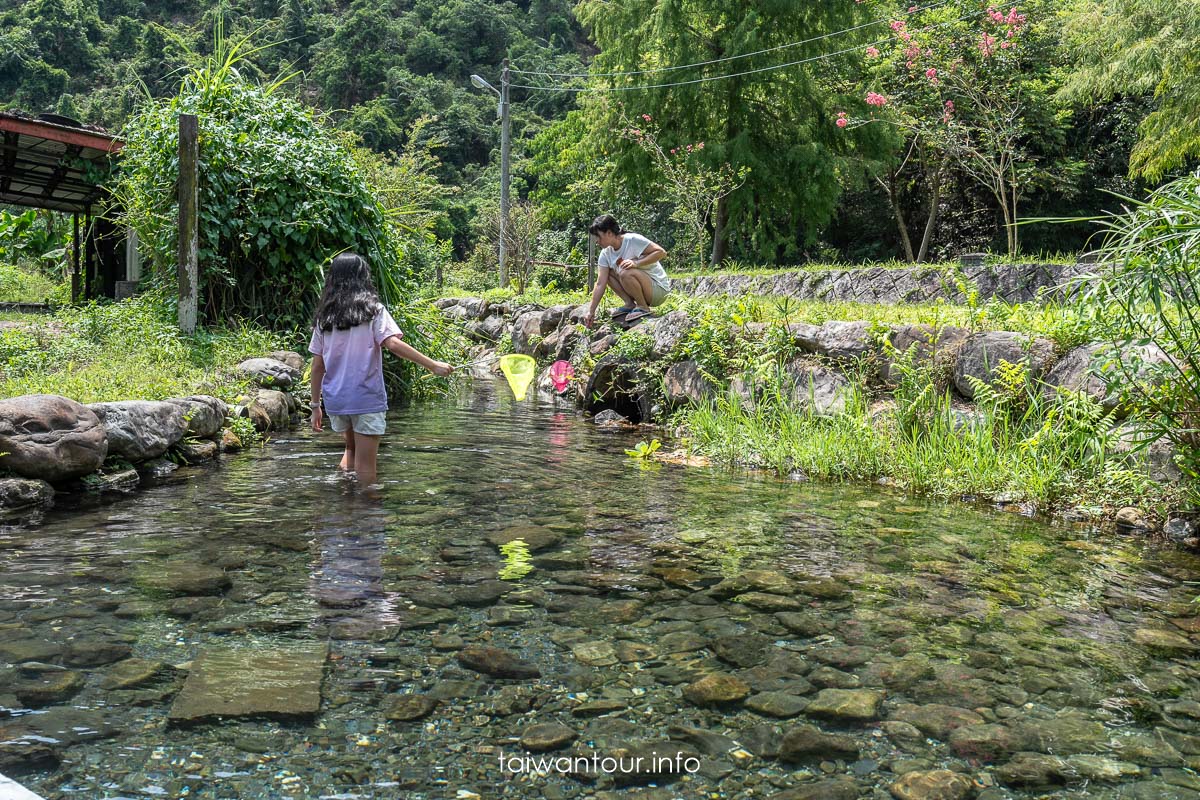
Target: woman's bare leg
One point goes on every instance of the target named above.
(637, 283)
(366, 448)
(614, 283)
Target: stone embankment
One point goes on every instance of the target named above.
(643, 383)
(1012, 283)
(51, 444)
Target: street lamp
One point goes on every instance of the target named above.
(502, 93)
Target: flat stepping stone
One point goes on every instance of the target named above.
(280, 683)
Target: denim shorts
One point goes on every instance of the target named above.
(367, 424)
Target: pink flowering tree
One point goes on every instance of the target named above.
(692, 187)
(959, 84)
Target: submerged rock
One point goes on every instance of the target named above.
(409, 707)
(846, 705)
(284, 682)
(716, 689)
(171, 578)
(804, 742)
(496, 662)
(52, 438)
(547, 736)
(938, 784)
(25, 493)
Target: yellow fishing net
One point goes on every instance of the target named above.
(519, 370)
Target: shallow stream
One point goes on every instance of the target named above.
(856, 639)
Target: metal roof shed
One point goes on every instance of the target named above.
(45, 163)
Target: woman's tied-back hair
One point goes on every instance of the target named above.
(607, 223)
(349, 297)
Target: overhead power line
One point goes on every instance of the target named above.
(776, 48)
(705, 79)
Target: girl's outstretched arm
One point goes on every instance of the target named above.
(404, 350)
(316, 374)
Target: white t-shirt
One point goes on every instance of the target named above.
(632, 247)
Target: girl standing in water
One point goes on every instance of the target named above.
(351, 328)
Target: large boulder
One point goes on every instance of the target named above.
(926, 341)
(669, 331)
(818, 389)
(684, 383)
(289, 357)
(139, 430)
(1099, 370)
(531, 327)
(205, 414)
(269, 373)
(269, 410)
(847, 341)
(982, 353)
(50, 437)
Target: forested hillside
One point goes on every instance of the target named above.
(844, 130)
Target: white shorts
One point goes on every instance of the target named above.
(658, 294)
(367, 424)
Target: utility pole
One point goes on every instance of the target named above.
(505, 148)
(189, 132)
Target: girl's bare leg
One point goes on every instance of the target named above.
(347, 462)
(637, 283)
(366, 448)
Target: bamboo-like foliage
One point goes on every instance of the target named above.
(1143, 296)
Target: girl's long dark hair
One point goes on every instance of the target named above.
(349, 297)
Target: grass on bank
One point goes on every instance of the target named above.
(1065, 324)
(20, 285)
(1016, 443)
(127, 350)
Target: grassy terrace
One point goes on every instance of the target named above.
(122, 351)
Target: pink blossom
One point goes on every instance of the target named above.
(673, 149)
(873, 52)
(897, 25)
(646, 117)
(931, 73)
(635, 132)
(986, 44)
(689, 148)
(912, 9)
(1005, 45)
(877, 100)
(949, 106)
(700, 146)
(842, 122)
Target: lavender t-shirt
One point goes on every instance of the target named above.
(353, 382)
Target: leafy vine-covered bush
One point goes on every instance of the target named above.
(279, 195)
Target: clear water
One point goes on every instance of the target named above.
(1054, 634)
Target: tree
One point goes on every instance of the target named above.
(965, 90)
(1131, 48)
(694, 188)
(777, 123)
